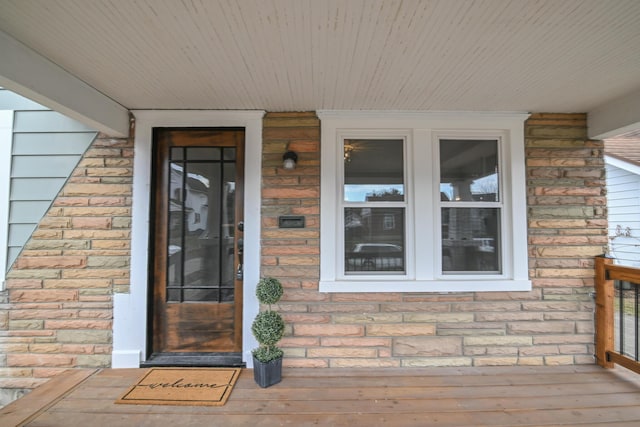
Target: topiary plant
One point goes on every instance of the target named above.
(268, 326)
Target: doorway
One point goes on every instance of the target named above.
(196, 259)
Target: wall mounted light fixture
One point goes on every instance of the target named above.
(289, 160)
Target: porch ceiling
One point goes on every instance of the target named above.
(289, 55)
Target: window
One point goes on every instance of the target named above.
(374, 206)
(470, 206)
(422, 202)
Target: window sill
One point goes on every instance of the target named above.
(474, 285)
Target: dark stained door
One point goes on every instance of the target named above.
(197, 232)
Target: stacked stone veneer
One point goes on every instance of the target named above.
(552, 324)
(57, 310)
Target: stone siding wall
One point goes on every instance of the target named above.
(552, 324)
(57, 310)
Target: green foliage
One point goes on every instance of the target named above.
(269, 290)
(268, 326)
(267, 354)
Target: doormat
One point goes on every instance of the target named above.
(182, 386)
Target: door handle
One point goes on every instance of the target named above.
(239, 273)
(240, 246)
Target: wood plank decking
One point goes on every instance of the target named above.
(490, 396)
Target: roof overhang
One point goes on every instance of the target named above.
(96, 61)
(28, 73)
(616, 117)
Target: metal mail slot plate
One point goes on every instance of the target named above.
(291, 221)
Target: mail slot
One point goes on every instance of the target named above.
(291, 221)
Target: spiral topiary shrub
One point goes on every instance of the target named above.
(268, 329)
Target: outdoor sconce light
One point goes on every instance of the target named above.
(289, 160)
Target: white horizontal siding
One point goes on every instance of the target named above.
(18, 235)
(623, 183)
(35, 188)
(27, 211)
(622, 213)
(45, 148)
(46, 121)
(623, 203)
(48, 166)
(51, 143)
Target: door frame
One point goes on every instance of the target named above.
(130, 311)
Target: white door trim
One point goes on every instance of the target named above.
(130, 310)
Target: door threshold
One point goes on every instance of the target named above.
(193, 360)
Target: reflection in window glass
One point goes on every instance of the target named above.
(229, 153)
(201, 211)
(177, 153)
(470, 240)
(203, 153)
(374, 240)
(469, 170)
(373, 170)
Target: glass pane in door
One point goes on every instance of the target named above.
(201, 225)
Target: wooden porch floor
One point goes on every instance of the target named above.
(491, 396)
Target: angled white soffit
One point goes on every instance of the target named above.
(24, 71)
(615, 118)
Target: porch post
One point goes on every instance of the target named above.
(604, 312)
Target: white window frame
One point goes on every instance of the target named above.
(421, 132)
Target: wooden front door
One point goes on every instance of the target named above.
(197, 234)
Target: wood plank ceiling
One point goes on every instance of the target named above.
(289, 55)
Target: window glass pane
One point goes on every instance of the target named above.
(177, 153)
(203, 153)
(373, 170)
(229, 154)
(469, 170)
(374, 240)
(175, 226)
(470, 240)
(201, 228)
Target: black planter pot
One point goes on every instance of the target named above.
(267, 374)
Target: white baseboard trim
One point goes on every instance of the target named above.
(125, 359)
